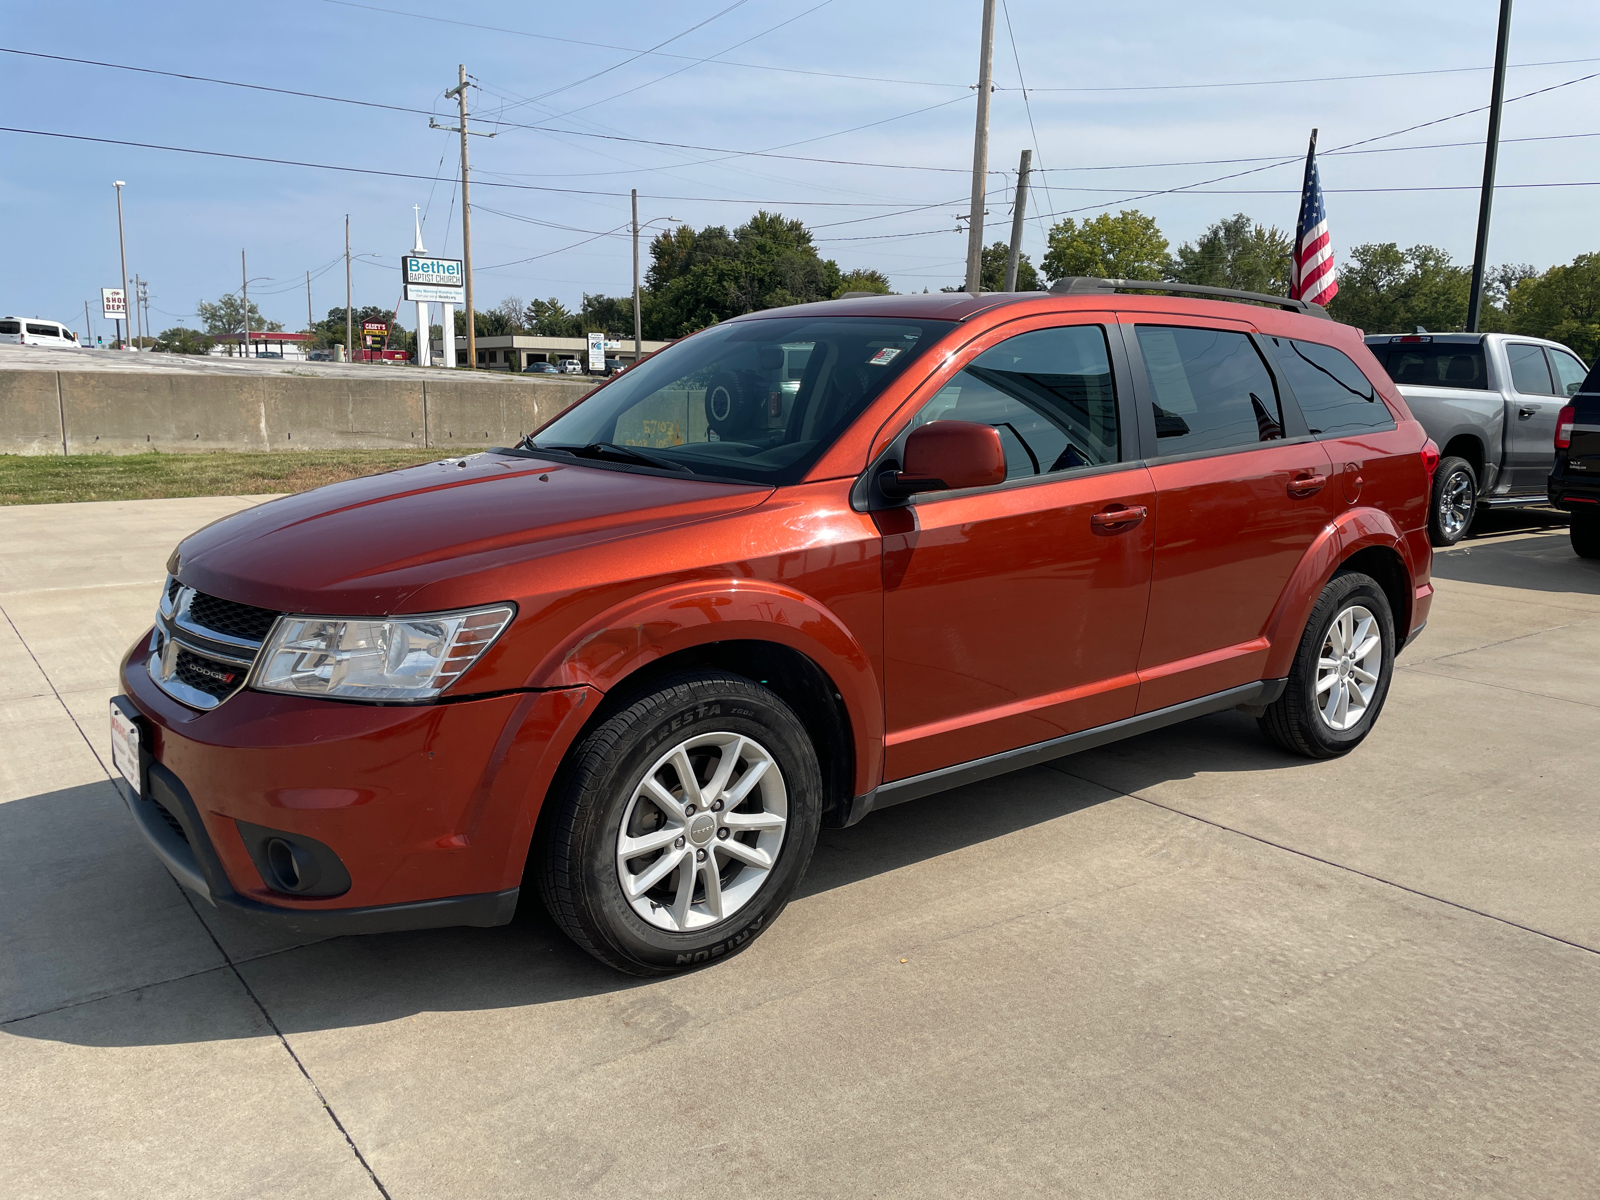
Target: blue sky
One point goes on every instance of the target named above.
(795, 74)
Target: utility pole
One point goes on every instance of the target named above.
(1491, 151)
(122, 246)
(349, 315)
(638, 326)
(310, 320)
(459, 94)
(88, 329)
(1017, 211)
(138, 324)
(144, 301)
(980, 153)
(244, 347)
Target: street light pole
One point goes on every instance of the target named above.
(1491, 151)
(244, 347)
(122, 246)
(980, 153)
(349, 316)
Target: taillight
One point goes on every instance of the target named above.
(1430, 458)
(1564, 422)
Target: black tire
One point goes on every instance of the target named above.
(1585, 534)
(1455, 487)
(579, 876)
(1295, 721)
(730, 409)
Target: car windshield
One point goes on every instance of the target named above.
(750, 400)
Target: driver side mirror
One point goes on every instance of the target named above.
(945, 456)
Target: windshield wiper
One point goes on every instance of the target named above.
(610, 450)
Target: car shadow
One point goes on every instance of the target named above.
(357, 981)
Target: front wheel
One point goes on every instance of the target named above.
(1341, 672)
(683, 825)
(1455, 501)
(1585, 534)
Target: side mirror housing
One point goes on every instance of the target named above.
(947, 455)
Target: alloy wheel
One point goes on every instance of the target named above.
(1348, 667)
(702, 831)
(1456, 501)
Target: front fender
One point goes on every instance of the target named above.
(649, 627)
(1345, 535)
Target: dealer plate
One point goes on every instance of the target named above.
(125, 745)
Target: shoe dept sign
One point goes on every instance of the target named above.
(433, 279)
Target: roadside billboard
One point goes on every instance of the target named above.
(433, 279)
(114, 303)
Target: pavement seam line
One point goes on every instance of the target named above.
(1419, 669)
(1520, 637)
(287, 1048)
(45, 675)
(227, 960)
(139, 987)
(1328, 862)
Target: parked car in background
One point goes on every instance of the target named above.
(570, 366)
(539, 367)
(36, 331)
(641, 657)
(1490, 402)
(1574, 484)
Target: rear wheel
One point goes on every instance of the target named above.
(684, 823)
(1341, 672)
(1455, 500)
(1585, 533)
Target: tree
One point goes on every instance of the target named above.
(1384, 289)
(549, 318)
(1125, 246)
(863, 279)
(511, 310)
(226, 315)
(610, 315)
(697, 278)
(330, 331)
(1237, 253)
(992, 277)
(179, 340)
(1563, 305)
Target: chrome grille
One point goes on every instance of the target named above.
(203, 646)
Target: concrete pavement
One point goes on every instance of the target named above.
(1180, 966)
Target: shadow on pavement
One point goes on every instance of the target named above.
(357, 981)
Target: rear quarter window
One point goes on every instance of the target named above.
(1435, 364)
(1334, 394)
(10, 326)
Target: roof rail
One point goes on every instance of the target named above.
(1084, 285)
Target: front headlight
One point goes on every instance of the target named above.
(401, 658)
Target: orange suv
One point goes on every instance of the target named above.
(799, 566)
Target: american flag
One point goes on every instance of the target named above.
(1311, 276)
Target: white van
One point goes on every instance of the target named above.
(34, 331)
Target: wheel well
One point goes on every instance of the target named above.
(1389, 569)
(1464, 445)
(800, 682)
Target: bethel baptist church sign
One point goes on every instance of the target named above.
(433, 279)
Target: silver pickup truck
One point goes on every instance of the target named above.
(1490, 402)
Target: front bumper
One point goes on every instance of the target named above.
(430, 808)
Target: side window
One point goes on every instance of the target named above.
(1212, 390)
(1569, 372)
(1529, 374)
(1335, 396)
(1048, 392)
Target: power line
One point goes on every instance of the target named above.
(1181, 87)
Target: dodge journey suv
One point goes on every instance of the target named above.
(803, 565)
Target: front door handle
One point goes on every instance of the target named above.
(1119, 519)
(1527, 412)
(1306, 484)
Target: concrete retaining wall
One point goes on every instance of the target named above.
(112, 412)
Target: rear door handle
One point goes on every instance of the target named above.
(1527, 412)
(1119, 519)
(1306, 484)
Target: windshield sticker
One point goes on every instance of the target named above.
(884, 356)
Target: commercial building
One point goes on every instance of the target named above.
(513, 352)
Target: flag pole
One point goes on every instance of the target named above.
(1300, 221)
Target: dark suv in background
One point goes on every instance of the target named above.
(1575, 483)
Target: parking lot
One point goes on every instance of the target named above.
(1184, 965)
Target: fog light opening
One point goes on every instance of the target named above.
(293, 869)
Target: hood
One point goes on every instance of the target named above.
(361, 547)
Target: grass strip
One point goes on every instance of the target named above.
(42, 479)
